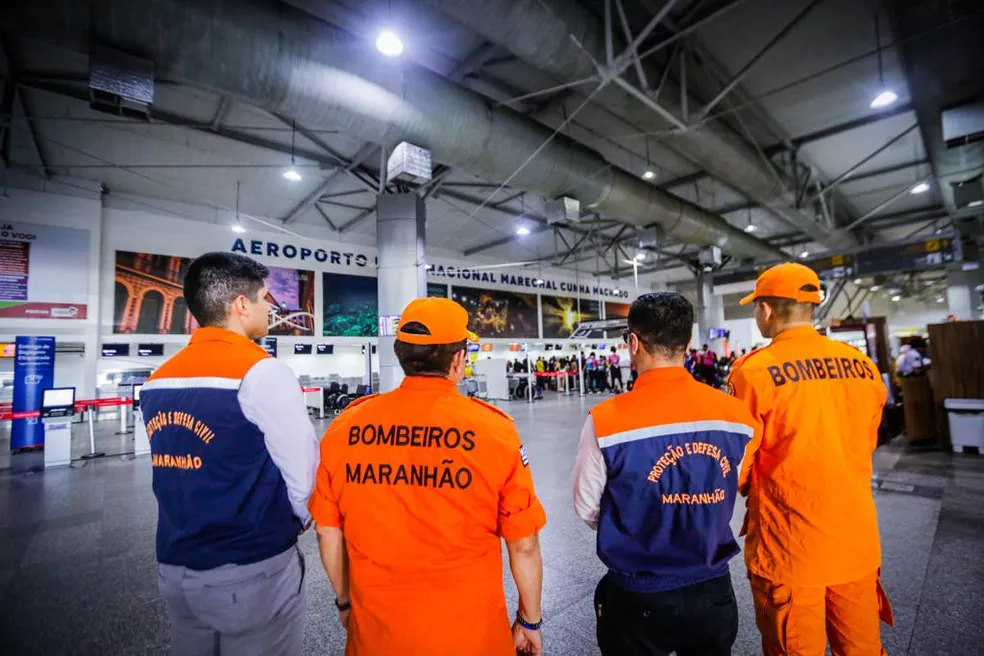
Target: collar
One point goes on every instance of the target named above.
(216, 334)
(661, 375)
(428, 384)
(796, 333)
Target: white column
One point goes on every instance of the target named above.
(400, 222)
(962, 296)
(710, 311)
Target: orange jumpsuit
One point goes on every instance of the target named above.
(812, 545)
(424, 483)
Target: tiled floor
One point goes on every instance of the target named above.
(77, 571)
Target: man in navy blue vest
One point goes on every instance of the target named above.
(234, 456)
(657, 476)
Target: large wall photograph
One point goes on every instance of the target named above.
(561, 315)
(149, 299)
(351, 305)
(495, 313)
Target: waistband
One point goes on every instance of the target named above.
(662, 583)
(230, 573)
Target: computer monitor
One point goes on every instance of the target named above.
(326, 349)
(136, 396)
(302, 349)
(58, 402)
(150, 350)
(115, 350)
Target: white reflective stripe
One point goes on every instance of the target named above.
(681, 428)
(201, 382)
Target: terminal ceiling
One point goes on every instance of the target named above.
(802, 108)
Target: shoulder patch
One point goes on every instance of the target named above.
(491, 407)
(523, 456)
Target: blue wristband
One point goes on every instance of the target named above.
(529, 626)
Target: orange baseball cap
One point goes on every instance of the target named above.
(788, 280)
(446, 322)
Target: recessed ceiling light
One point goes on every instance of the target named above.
(939, 299)
(649, 174)
(292, 175)
(804, 255)
(920, 188)
(896, 298)
(389, 43)
(751, 227)
(884, 99)
(522, 231)
(975, 203)
(858, 281)
(238, 229)
(640, 257)
(875, 288)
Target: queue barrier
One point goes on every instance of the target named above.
(321, 401)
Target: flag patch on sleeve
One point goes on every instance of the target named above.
(523, 456)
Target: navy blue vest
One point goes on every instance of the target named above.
(221, 499)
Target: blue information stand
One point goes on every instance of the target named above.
(34, 370)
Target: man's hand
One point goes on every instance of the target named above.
(343, 617)
(528, 643)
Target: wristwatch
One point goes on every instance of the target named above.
(529, 626)
(342, 607)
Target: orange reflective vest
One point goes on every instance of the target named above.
(424, 482)
(811, 515)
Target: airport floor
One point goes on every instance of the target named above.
(78, 576)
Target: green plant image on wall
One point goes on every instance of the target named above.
(351, 306)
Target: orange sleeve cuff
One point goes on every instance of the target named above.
(523, 523)
(322, 506)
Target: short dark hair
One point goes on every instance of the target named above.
(787, 309)
(663, 322)
(215, 280)
(425, 359)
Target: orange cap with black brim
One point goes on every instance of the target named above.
(790, 280)
(445, 321)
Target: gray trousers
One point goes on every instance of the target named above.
(238, 610)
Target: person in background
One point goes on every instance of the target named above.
(706, 362)
(690, 364)
(234, 456)
(812, 546)
(614, 362)
(541, 366)
(590, 373)
(509, 367)
(657, 476)
(415, 492)
(602, 373)
(744, 352)
(910, 361)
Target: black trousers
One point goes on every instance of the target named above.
(699, 620)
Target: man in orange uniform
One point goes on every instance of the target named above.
(415, 489)
(812, 545)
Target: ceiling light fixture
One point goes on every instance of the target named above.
(858, 281)
(750, 228)
(920, 188)
(885, 96)
(522, 231)
(804, 255)
(939, 299)
(237, 227)
(389, 43)
(640, 257)
(538, 281)
(975, 203)
(291, 173)
(896, 298)
(650, 171)
(875, 288)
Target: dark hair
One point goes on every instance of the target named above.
(425, 359)
(215, 280)
(787, 309)
(613, 349)
(663, 322)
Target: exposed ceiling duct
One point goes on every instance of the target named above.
(520, 25)
(282, 60)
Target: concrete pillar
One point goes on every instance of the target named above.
(400, 220)
(962, 295)
(710, 312)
